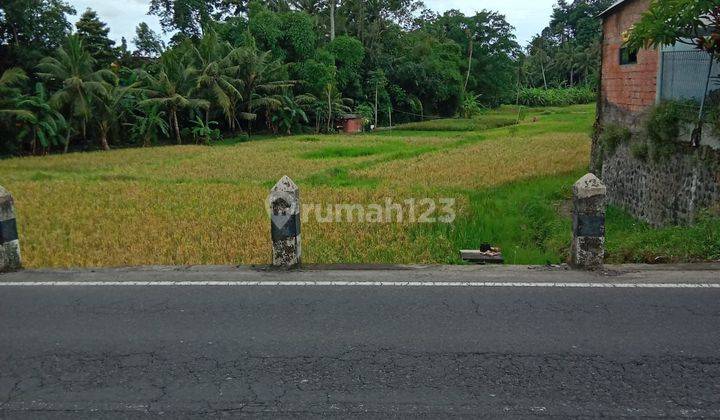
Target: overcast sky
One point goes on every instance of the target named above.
(527, 16)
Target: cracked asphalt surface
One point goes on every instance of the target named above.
(147, 351)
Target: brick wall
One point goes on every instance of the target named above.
(353, 125)
(630, 87)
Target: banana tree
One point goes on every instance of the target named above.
(41, 123)
(150, 126)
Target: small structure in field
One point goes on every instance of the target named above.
(487, 254)
(352, 123)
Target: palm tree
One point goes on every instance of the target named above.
(263, 79)
(588, 61)
(171, 89)
(218, 80)
(10, 94)
(288, 116)
(310, 104)
(568, 58)
(80, 87)
(113, 109)
(336, 104)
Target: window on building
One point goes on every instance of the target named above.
(628, 56)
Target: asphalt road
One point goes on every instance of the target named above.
(184, 350)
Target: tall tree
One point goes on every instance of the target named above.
(147, 42)
(490, 50)
(694, 22)
(332, 19)
(10, 93)
(79, 87)
(566, 52)
(171, 89)
(263, 79)
(218, 80)
(31, 29)
(189, 17)
(94, 35)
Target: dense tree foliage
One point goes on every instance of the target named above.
(31, 29)
(147, 42)
(567, 52)
(94, 35)
(282, 66)
(694, 22)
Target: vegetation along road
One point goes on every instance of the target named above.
(205, 204)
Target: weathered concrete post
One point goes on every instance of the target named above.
(588, 246)
(9, 243)
(284, 202)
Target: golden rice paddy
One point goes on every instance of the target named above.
(189, 205)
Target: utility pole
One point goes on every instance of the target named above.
(470, 57)
(390, 115)
(332, 20)
(376, 104)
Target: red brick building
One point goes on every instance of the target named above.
(631, 81)
(352, 124)
(671, 189)
(628, 78)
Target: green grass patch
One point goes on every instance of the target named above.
(524, 219)
(483, 122)
(340, 178)
(350, 150)
(629, 240)
(531, 221)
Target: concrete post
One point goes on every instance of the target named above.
(9, 243)
(588, 246)
(284, 202)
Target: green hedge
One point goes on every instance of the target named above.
(557, 97)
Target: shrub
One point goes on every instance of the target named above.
(556, 97)
(663, 128)
(469, 107)
(612, 136)
(639, 149)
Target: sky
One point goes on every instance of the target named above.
(527, 16)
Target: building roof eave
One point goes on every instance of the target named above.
(612, 8)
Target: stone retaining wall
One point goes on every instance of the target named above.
(671, 191)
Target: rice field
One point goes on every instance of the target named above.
(190, 205)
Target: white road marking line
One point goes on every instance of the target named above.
(266, 283)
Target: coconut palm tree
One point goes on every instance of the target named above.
(568, 58)
(113, 109)
(10, 94)
(171, 89)
(288, 116)
(80, 88)
(218, 79)
(336, 104)
(263, 80)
